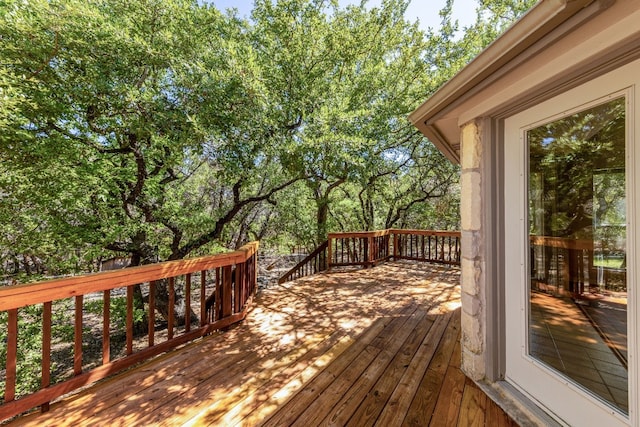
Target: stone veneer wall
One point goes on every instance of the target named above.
(473, 263)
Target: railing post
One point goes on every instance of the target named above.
(227, 289)
(203, 296)
(329, 253)
(254, 271)
(371, 251)
(395, 246)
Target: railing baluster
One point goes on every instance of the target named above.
(395, 246)
(353, 250)
(77, 333)
(246, 287)
(172, 302)
(106, 325)
(187, 302)
(237, 294)
(315, 264)
(226, 291)
(129, 321)
(203, 297)
(12, 355)
(46, 350)
(217, 312)
(365, 245)
(152, 312)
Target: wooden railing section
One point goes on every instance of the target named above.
(369, 248)
(561, 264)
(364, 248)
(313, 263)
(442, 247)
(231, 275)
(372, 247)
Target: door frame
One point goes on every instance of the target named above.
(531, 377)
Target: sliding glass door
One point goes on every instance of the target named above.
(570, 293)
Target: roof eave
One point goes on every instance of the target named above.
(535, 24)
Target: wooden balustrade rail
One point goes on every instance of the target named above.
(562, 264)
(364, 248)
(313, 263)
(233, 277)
(441, 247)
(372, 247)
(368, 248)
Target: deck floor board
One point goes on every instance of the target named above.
(366, 347)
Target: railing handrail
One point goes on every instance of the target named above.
(451, 233)
(287, 276)
(350, 234)
(22, 295)
(562, 242)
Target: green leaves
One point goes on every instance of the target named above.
(167, 128)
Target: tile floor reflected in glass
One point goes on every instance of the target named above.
(564, 335)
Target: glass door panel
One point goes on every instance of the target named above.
(577, 305)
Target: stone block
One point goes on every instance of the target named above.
(471, 276)
(472, 305)
(470, 200)
(473, 365)
(471, 146)
(472, 332)
(471, 244)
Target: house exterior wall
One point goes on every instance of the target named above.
(469, 114)
(474, 259)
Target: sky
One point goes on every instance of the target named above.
(426, 11)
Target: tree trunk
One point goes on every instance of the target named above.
(141, 327)
(322, 215)
(162, 304)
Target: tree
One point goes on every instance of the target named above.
(163, 129)
(125, 106)
(347, 79)
(124, 115)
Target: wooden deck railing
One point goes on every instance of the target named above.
(368, 248)
(364, 248)
(569, 265)
(372, 247)
(313, 263)
(441, 247)
(229, 278)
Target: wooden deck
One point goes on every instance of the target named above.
(367, 347)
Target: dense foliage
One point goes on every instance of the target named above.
(159, 129)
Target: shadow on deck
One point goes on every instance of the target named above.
(377, 346)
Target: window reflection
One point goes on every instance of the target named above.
(577, 224)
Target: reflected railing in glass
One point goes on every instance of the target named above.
(577, 256)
